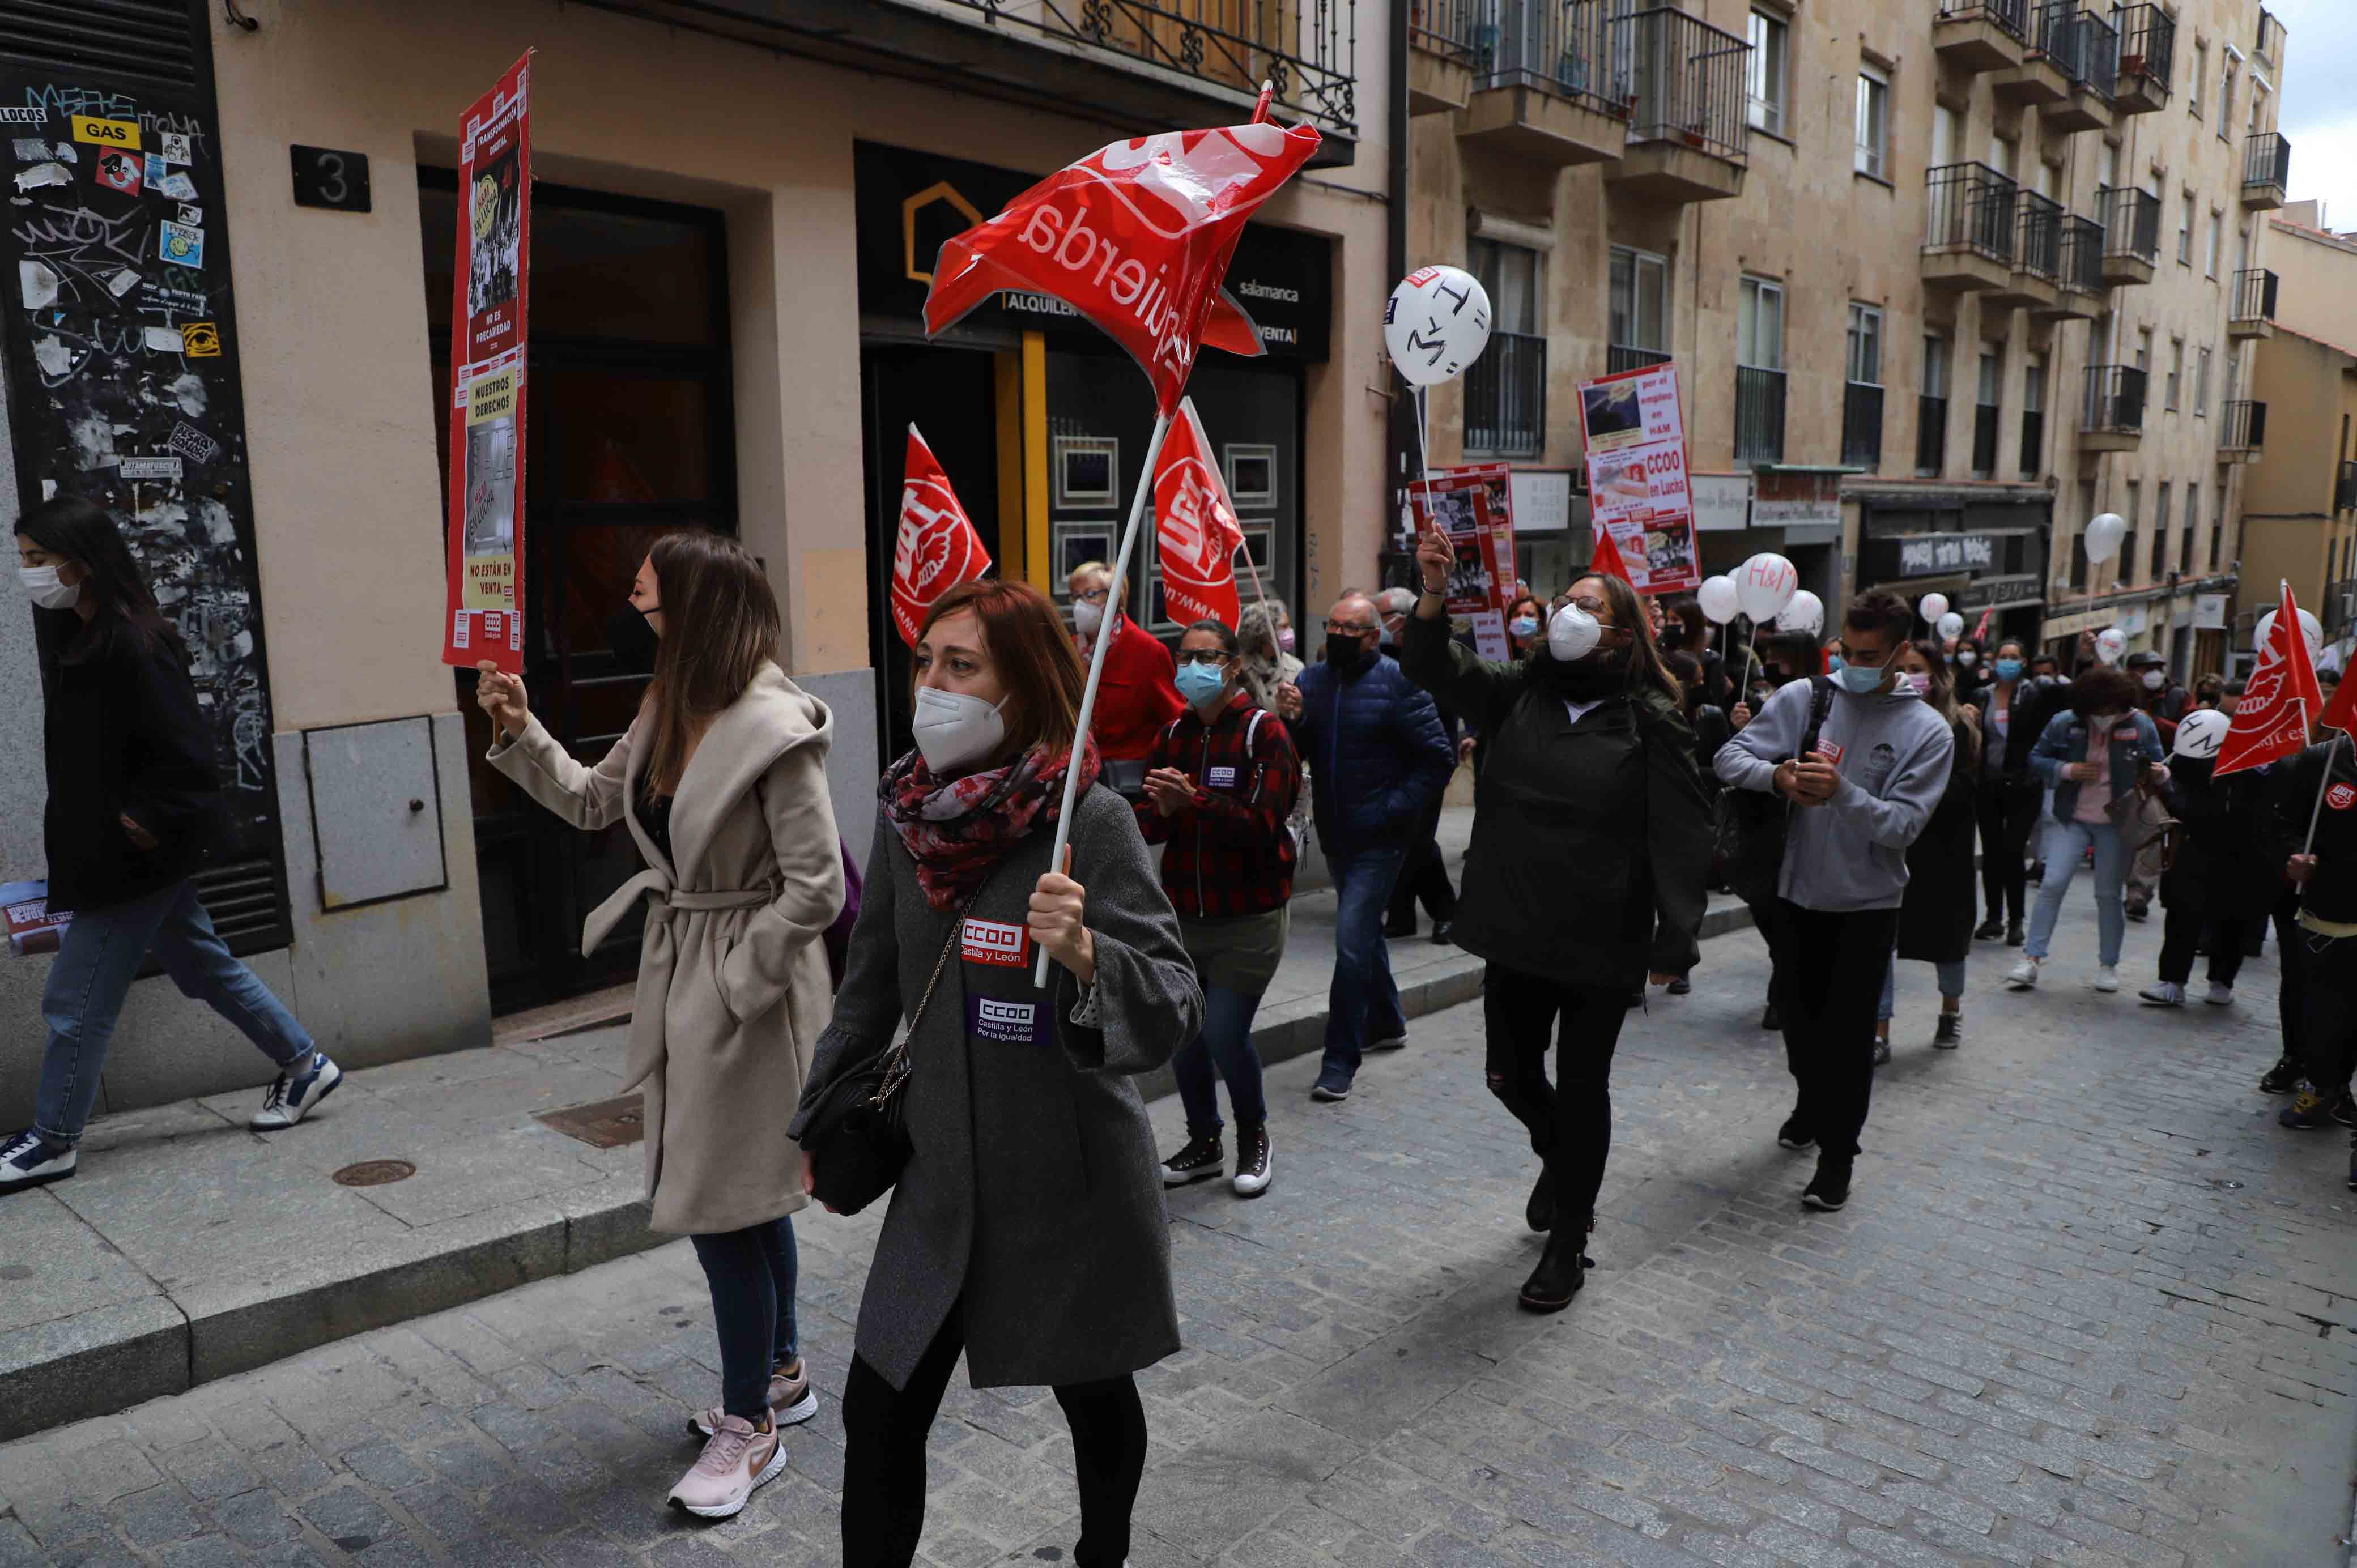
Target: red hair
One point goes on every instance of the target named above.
(1032, 653)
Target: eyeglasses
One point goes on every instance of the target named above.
(1094, 595)
(1211, 656)
(1347, 628)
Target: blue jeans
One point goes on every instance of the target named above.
(752, 1273)
(97, 959)
(1225, 1043)
(1951, 983)
(1362, 1003)
(2066, 842)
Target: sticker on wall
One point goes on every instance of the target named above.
(101, 133)
(177, 186)
(194, 217)
(31, 150)
(162, 340)
(180, 244)
(176, 148)
(192, 443)
(200, 339)
(37, 284)
(150, 467)
(43, 174)
(123, 282)
(156, 171)
(118, 170)
(24, 116)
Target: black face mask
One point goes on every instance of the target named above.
(634, 641)
(1343, 650)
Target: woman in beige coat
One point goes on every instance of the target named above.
(722, 782)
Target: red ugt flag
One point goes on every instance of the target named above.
(2271, 721)
(1195, 524)
(1136, 237)
(936, 548)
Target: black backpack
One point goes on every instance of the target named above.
(1751, 825)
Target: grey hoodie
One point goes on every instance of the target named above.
(1893, 755)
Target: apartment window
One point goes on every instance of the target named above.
(1639, 308)
(2200, 78)
(2160, 534)
(1862, 398)
(2144, 349)
(1873, 122)
(1985, 413)
(1931, 410)
(1759, 372)
(1505, 391)
(1769, 71)
(2185, 561)
(2226, 101)
(2258, 109)
(2176, 372)
(1866, 344)
(2185, 232)
(2217, 242)
(2201, 383)
(2033, 418)
(2133, 512)
(1760, 324)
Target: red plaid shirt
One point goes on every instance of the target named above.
(1231, 851)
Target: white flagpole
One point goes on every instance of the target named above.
(1097, 659)
(2316, 812)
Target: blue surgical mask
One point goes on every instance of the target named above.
(2009, 669)
(1523, 626)
(1834, 663)
(1199, 683)
(1859, 680)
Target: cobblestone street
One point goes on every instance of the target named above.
(2088, 1307)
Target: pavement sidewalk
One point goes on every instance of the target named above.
(189, 1248)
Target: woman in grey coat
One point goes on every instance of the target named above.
(1028, 1229)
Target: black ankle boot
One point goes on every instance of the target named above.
(1539, 1212)
(1562, 1268)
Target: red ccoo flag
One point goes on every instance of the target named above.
(936, 548)
(1195, 524)
(1136, 237)
(2271, 722)
(1606, 557)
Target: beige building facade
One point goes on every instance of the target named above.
(735, 212)
(1942, 279)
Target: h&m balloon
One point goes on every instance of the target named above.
(1950, 625)
(1436, 323)
(2105, 530)
(1931, 606)
(2110, 643)
(1720, 601)
(2200, 733)
(1765, 584)
(1806, 612)
(2310, 630)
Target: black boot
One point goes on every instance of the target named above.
(1562, 1268)
(2013, 933)
(1539, 1212)
(1989, 929)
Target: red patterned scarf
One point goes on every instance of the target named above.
(955, 830)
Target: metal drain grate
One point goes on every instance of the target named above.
(607, 1124)
(374, 1173)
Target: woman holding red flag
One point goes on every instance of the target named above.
(1135, 699)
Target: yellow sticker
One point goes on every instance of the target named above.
(200, 339)
(105, 132)
(492, 397)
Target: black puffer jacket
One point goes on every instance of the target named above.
(1591, 840)
(123, 736)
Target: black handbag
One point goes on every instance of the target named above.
(1750, 831)
(856, 1136)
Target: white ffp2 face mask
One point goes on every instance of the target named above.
(954, 729)
(1573, 633)
(42, 585)
(1087, 617)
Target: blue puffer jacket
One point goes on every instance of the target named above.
(1374, 742)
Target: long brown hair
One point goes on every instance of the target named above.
(1941, 695)
(1032, 653)
(720, 626)
(1646, 665)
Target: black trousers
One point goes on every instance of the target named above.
(884, 1456)
(1830, 972)
(1424, 876)
(2007, 815)
(2329, 997)
(2180, 932)
(1764, 918)
(2293, 961)
(1570, 1120)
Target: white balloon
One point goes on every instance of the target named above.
(1950, 625)
(1931, 606)
(2110, 643)
(1720, 601)
(2200, 733)
(1436, 323)
(1806, 612)
(2105, 530)
(2310, 630)
(1765, 584)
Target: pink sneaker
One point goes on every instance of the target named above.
(736, 1460)
(792, 1403)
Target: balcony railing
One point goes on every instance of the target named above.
(1562, 47)
(2033, 443)
(2080, 264)
(1971, 208)
(2114, 401)
(2148, 44)
(2083, 45)
(1505, 397)
(2012, 15)
(2266, 160)
(2344, 488)
(1689, 81)
(1985, 440)
(1931, 435)
(1621, 357)
(2131, 222)
(1862, 425)
(1448, 27)
(2245, 427)
(2040, 251)
(1307, 52)
(2254, 296)
(1759, 414)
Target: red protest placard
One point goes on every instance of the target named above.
(483, 615)
(1635, 431)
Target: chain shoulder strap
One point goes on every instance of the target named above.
(897, 1070)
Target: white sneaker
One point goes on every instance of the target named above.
(26, 1160)
(2164, 994)
(736, 1460)
(2107, 977)
(2220, 995)
(2022, 976)
(292, 1098)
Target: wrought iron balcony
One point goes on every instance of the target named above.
(1442, 38)
(2148, 60)
(1553, 79)
(1862, 425)
(2111, 416)
(2254, 311)
(1621, 357)
(2131, 219)
(1759, 415)
(2078, 272)
(1505, 398)
(2040, 248)
(2085, 48)
(1981, 35)
(2242, 433)
(1689, 121)
(1973, 213)
(2266, 171)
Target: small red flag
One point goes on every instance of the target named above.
(1136, 237)
(1195, 525)
(1980, 632)
(937, 547)
(1606, 557)
(2271, 721)
(2340, 713)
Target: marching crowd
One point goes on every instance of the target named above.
(958, 1030)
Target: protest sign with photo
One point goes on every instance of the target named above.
(1636, 475)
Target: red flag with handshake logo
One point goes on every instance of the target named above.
(2271, 721)
(1195, 524)
(1136, 237)
(937, 547)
